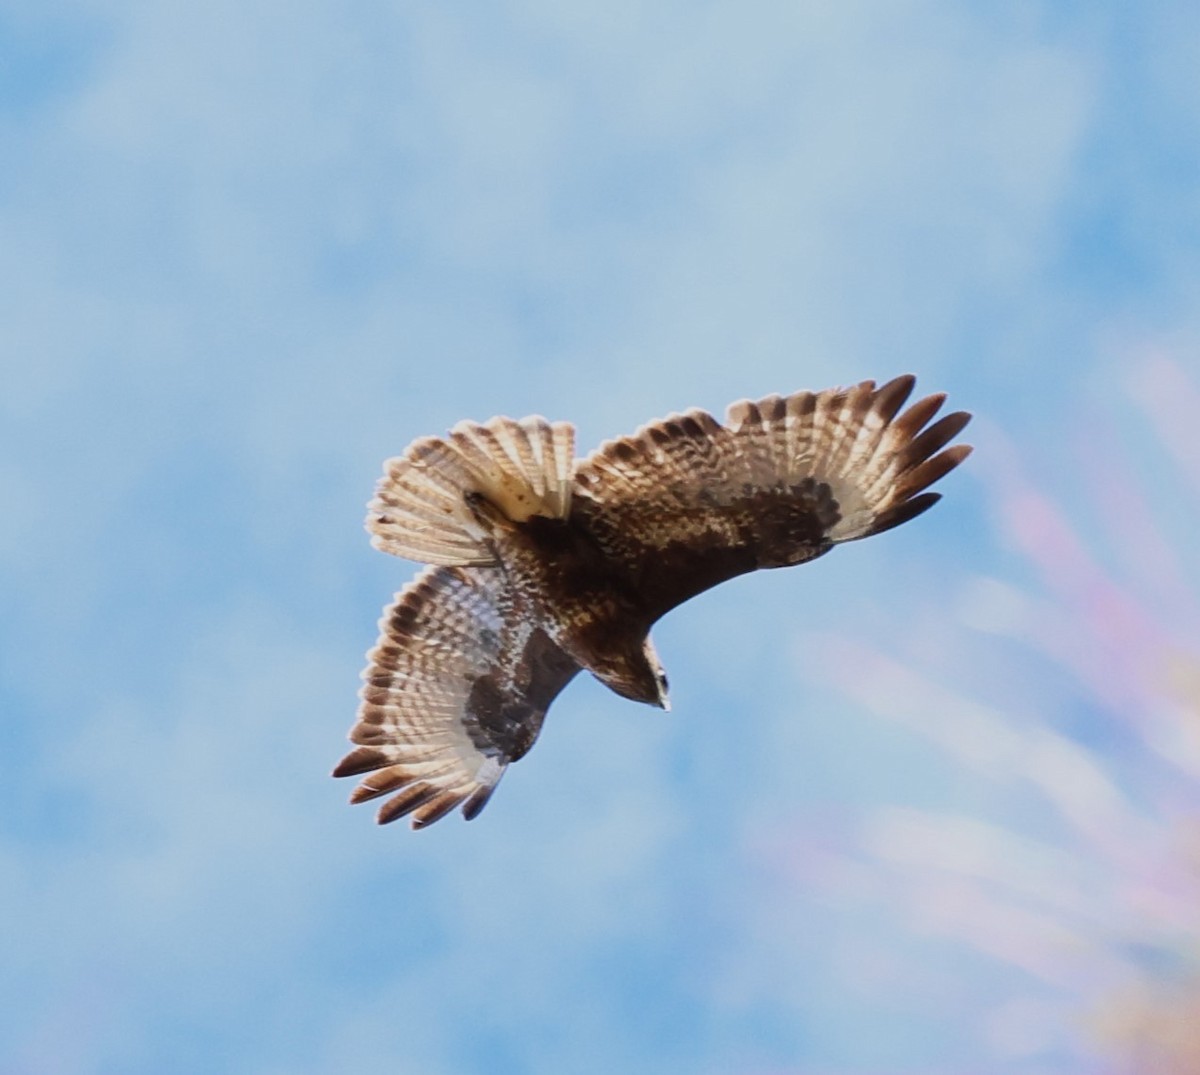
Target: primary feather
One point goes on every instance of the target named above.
(548, 565)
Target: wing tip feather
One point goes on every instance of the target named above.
(904, 512)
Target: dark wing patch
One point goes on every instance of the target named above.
(687, 502)
(456, 688)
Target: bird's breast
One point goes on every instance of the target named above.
(585, 598)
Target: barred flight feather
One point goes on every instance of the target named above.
(419, 511)
(548, 566)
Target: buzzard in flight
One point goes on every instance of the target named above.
(543, 565)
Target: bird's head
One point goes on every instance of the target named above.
(636, 674)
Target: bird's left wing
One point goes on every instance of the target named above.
(687, 502)
(455, 689)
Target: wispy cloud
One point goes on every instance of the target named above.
(249, 251)
(1091, 889)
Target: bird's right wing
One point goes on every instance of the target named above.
(455, 689)
(686, 502)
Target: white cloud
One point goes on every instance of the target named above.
(258, 249)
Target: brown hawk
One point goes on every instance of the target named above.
(543, 565)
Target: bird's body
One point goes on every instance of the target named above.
(595, 602)
(545, 566)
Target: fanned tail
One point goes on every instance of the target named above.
(421, 509)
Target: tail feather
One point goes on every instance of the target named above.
(421, 509)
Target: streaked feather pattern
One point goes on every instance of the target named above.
(548, 565)
(524, 468)
(425, 730)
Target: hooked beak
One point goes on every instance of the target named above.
(660, 677)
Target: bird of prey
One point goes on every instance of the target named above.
(542, 565)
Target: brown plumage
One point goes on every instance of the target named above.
(544, 566)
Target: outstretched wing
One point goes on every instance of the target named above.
(455, 689)
(687, 502)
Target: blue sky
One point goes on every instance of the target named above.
(249, 250)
